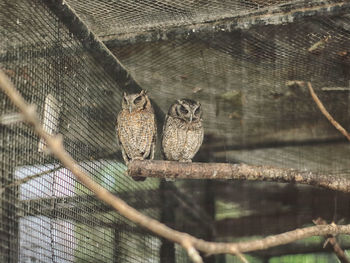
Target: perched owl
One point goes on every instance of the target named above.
(183, 131)
(136, 128)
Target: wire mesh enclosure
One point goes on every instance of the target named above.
(53, 218)
(242, 59)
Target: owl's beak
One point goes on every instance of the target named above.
(130, 108)
(191, 117)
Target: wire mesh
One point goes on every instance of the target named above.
(46, 215)
(241, 59)
(254, 112)
(231, 83)
(113, 17)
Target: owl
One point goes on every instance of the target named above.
(183, 131)
(136, 128)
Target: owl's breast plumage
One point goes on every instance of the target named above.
(181, 140)
(136, 132)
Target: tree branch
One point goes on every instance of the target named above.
(190, 243)
(326, 113)
(330, 239)
(183, 170)
(28, 178)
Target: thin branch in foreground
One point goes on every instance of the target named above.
(330, 239)
(182, 170)
(11, 118)
(241, 257)
(335, 89)
(192, 252)
(326, 113)
(184, 239)
(28, 178)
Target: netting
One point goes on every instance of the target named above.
(53, 218)
(241, 59)
(119, 17)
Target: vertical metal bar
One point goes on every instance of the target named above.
(117, 248)
(9, 225)
(167, 216)
(209, 208)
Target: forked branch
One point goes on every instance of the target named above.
(320, 105)
(326, 113)
(330, 239)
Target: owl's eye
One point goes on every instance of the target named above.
(197, 111)
(138, 99)
(183, 110)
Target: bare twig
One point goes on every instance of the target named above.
(294, 83)
(168, 169)
(28, 178)
(11, 118)
(241, 257)
(319, 46)
(192, 252)
(190, 243)
(330, 239)
(335, 89)
(326, 113)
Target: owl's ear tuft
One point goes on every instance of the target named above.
(124, 94)
(143, 92)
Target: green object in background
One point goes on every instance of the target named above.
(229, 210)
(311, 258)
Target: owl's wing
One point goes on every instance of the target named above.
(120, 144)
(155, 130)
(117, 131)
(163, 132)
(165, 122)
(200, 139)
(154, 139)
